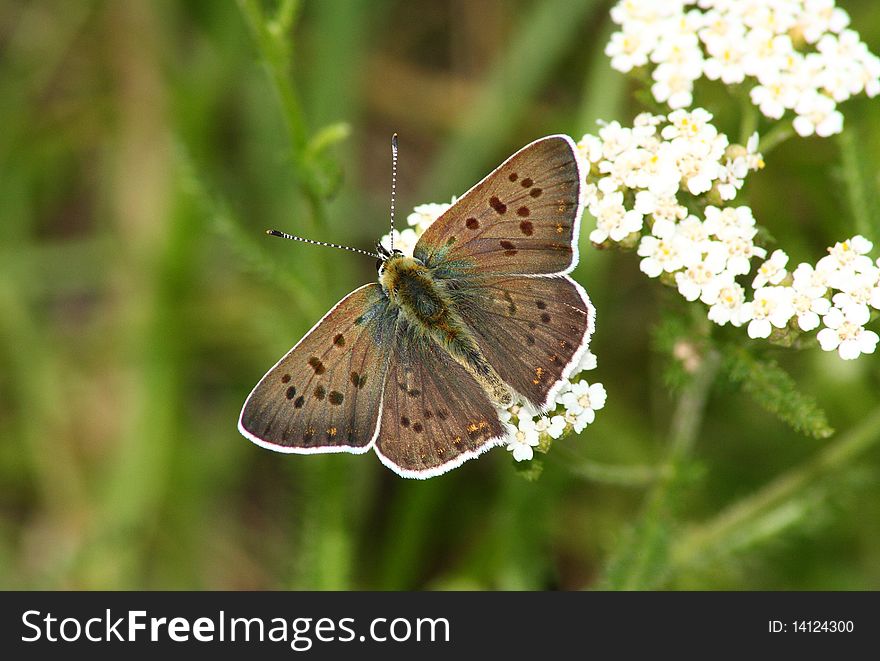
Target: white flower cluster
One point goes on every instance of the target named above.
(654, 162)
(638, 188)
(574, 408)
(795, 55)
(575, 404)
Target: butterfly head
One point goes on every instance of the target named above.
(385, 255)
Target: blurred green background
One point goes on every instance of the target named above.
(145, 147)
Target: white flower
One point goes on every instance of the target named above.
(613, 220)
(845, 332)
(771, 271)
(730, 222)
(660, 255)
(590, 148)
(582, 402)
(629, 49)
(730, 299)
(819, 17)
(522, 438)
(808, 297)
(553, 426)
(844, 260)
(697, 279)
(859, 290)
(588, 362)
(424, 215)
(786, 53)
(739, 252)
(771, 307)
(665, 210)
(817, 113)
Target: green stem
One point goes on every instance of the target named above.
(638, 564)
(775, 137)
(854, 181)
(275, 52)
(749, 121)
(633, 476)
(729, 527)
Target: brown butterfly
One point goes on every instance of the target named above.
(417, 365)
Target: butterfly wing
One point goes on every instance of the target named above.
(325, 394)
(435, 416)
(522, 218)
(532, 330)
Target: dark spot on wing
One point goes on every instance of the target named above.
(317, 365)
(522, 211)
(291, 392)
(429, 414)
(358, 380)
(320, 392)
(509, 248)
(335, 397)
(299, 402)
(442, 414)
(532, 325)
(525, 183)
(472, 224)
(417, 428)
(512, 176)
(451, 240)
(527, 228)
(535, 192)
(285, 378)
(404, 421)
(339, 340)
(530, 340)
(541, 305)
(545, 318)
(415, 392)
(498, 205)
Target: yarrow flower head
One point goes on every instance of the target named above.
(793, 55)
(654, 172)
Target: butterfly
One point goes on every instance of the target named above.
(417, 366)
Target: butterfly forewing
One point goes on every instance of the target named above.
(532, 330)
(435, 415)
(520, 219)
(324, 395)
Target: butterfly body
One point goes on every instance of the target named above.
(416, 365)
(428, 312)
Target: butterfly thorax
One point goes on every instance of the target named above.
(430, 312)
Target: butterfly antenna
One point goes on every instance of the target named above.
(285, 235)
(393, 184)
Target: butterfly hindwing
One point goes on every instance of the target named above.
(435, 416)
(522, 218)
(532, 330)
(324, 395)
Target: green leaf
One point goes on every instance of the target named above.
(775, 391)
